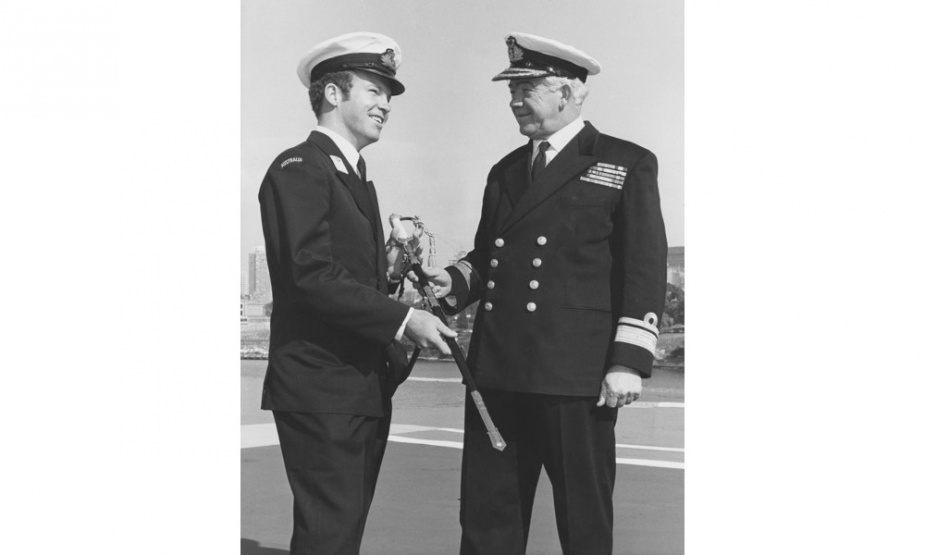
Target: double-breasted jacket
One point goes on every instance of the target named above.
(571, 277)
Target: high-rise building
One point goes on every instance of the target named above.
(676, 266)
(259, 276)
(251, 273)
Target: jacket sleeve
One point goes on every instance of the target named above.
(295, 205)
(643, 249)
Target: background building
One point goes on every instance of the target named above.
(259, 276)
(676, 266)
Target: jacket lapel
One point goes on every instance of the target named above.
(517, 174)
(364, 195)
(351, 180)
(381, 262)
(513, 184)
(574, 158)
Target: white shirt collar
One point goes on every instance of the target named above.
(350, 153)
(559, 139)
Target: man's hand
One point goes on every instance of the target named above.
(396, 259)
(439, 280)
(621, 386)
(427, 331)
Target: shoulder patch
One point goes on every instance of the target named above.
(289, 161)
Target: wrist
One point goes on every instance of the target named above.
(621, 369)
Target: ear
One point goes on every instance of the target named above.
(332, 94)
(566, 91)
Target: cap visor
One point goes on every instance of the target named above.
(394, 84)
(520, 73)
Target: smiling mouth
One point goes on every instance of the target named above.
(378, 119)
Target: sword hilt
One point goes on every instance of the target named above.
(403, 238)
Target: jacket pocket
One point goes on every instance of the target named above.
(585, 201)
(587, 294)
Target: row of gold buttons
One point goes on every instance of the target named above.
(534, 284)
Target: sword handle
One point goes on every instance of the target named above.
(404, 239)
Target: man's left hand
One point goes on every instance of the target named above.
(396, 259)
(621, 386)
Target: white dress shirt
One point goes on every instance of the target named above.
(558, 140)
(347, 149)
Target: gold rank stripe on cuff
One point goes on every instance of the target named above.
(466, 270)
(638, 332)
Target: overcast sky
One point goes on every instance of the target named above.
(453, 123)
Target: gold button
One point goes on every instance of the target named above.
(490, 284)
(499, 242)
(488, 306)
(493, 262)
(537, 262)
(533, 284)
(541, 240)
(531, 307)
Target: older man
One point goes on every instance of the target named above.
(569, 266)
(332, 363)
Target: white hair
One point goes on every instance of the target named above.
(579, 89)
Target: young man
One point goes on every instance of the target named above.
(332, 361)
(569, 266)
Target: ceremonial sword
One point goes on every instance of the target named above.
(404, 240)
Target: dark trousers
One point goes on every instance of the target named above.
(332, 461)
(572, 439)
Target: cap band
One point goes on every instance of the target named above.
(527, 63)
(380, 63)
(556, 66)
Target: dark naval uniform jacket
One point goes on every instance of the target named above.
(333, 324)
(571, 278)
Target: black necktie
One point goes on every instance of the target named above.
(361, 166)
(540, 162)
(366, 185)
